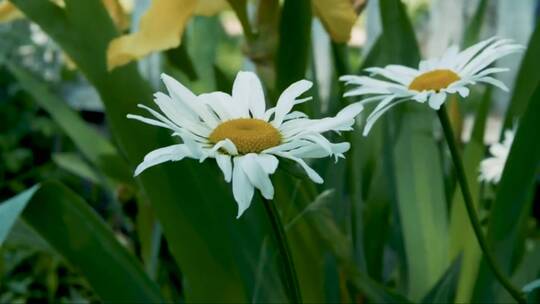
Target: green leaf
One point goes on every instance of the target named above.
(418, 173)
(528, 78)
(74, 164)
(92, 145)
(511, 209)
(472, 31)
(179, 58)
(321, 220)
(294, 43)
(445, 289)
(199, 225)
(76, 232)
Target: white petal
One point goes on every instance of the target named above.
(196, 128)
(227, 145)
(248, 94)
(287, 99)
(222, 104)
(225, 164)
(242, 188)
(315, 151)
(341, 122)
(149, 121)
(256, 175)
(494, 82)
(465, 56)
(182, 95)
(436, 100)
(268, 162)
(391, 74)
(314, 176)
(161, 155)
(374, 116)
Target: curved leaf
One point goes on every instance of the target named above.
(512, 206)
(71, 227)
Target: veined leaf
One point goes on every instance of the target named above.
(445, 290)
(419, 182)
(527, 80)
(67, 223)
(511, 209)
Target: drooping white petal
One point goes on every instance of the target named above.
(436, 100)
(225, 144)
(256, 175)
(287, 99)
(316, 151)
(499, 84)
(225, 164)
(248, 94)
(374, 116)
(268, 162)
(161, 155)
(196, 128)
(243, 190)
(341, 122)
(314, 176)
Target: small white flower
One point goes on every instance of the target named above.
(491, 168)
(433, 80)
(244, 137)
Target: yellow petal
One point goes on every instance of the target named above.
(210, 7)
(161, 28)
(8, 12)
(337, 16)
(117, 13)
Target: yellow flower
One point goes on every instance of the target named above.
(8, 12)
(117, 9)
(162, 26)
(337, 16)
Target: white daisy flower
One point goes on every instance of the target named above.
(434, 79)
(242, 136)
(491, 168)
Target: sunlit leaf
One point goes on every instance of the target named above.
(418, 172)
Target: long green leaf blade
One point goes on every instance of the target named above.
(510, 211)
(67, 223)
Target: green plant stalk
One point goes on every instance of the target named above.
(473, 217)
(289, 271)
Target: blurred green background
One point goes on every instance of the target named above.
(388, 224)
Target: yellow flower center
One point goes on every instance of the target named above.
(249, 135)
(434, 80)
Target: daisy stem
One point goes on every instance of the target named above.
(473, 217)
(280, 237)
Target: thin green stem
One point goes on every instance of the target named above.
(289, 271)
(473, 217)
